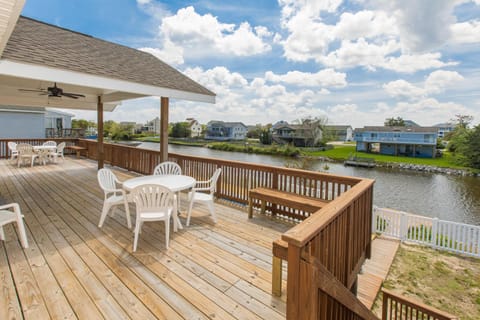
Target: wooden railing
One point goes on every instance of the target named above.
(330, 247)
(237, 177)
(5, 152)
(396, 307)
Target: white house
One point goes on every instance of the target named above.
(195, 128)
(26, 122)
(444, 128)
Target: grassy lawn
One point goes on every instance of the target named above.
(445, 281)
(342, 152)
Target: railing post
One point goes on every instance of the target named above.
(374, 219)
(403, 227)
(434, 231)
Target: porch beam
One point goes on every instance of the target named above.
(164, 101)
(100, 151)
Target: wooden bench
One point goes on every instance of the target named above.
(77, 149)
(287, 199)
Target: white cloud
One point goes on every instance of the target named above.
(359, 53)
(424, 25)
(435, 83)
(403, 89)
(323, 78)
(411, 63)
(307, 39)
(170, 53)
(439, 80)
(365, 24)
(466, 32)
(203, 35)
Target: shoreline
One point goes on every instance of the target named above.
(414, 167)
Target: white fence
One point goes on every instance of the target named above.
(439, 234)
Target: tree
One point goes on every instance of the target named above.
(83, 124)
(265, 136)
(180, 130)
(462, 120)
(471, 149)
(394, 122)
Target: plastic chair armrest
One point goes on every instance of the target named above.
(14, 205)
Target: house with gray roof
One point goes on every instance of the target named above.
(224, 131)
(398, 141)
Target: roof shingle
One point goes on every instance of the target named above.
(40, 43)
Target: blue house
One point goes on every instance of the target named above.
(34, 122)
(223, 131)
(398, 141)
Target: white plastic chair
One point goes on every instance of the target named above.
(12, 146)
(25, 151)
(58, 152)
(204, 191)
(9, 216)
(154, 203)
(113, 196)
(167, 167)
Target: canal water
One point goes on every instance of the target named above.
(446, 197)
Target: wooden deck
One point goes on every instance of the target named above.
(375, 270)
(73, 269)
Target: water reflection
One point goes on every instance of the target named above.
(447, 197)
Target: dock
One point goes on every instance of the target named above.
(355, 161)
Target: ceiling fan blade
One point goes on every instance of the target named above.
(78, 95)
(32, 90)
(66, 94)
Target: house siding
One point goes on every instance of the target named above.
(21, 125)
(413, 143)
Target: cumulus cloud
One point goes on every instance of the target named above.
(323, 78)
(403, 89)
(203, 35)
(409, 63)
(359, 53)
(170, 53)
(424, 25)
(365, 24)
(395, 36)
(466, 32)
(437, 82)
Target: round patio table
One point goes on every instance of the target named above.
(175, 183)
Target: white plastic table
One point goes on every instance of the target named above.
(175, 183)
(44, 151)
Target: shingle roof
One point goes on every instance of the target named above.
(43, 44)
(398, 129)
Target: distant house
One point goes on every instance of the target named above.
(405, 141)
(195, 128)
(25, 122)
(339, 132)
(301, 135)
(220, 130)
(444, 128)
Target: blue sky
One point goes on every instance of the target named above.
(354, 62)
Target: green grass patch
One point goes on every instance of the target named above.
(342, 152)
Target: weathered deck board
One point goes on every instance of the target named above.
(75, 269)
